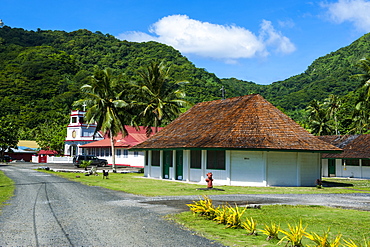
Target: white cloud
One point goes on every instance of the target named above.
(226, 42)
(356, 11)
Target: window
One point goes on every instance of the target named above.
(74, 120)
(196, 159)
(156, 158)
(136, 153)
(106, 151)
(216, 159)
(365, 162)
(146, 158)
(119, 152)
(125, 153)
(351, 162)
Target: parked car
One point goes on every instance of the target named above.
(95, 161)
(6, 158)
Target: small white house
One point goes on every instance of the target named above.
(353, 162)
(243, 141)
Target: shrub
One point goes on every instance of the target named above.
(272, 231)
(323, 241)
(294, 235)
(250, 225)
(234, 217)
(203, 207)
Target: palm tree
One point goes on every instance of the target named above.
(159, 99)
(318, 118)
(103, 99)
(333, 104)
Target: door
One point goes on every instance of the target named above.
(331, 167)
(167, 163)
(179, 164)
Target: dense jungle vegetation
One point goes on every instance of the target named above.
(41, 73)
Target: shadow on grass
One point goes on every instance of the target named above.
(336, 184)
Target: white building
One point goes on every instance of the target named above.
(78, 134)
(243, 141)
(353, 162)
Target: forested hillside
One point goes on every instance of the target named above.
(41, 73)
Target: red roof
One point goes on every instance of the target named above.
(133, 138)
(247, 122)
(48, 152)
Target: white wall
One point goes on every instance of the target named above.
(309, 168)
(248, 166)
(282, 169)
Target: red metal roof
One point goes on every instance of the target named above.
(133, 138)
(245, 122)
(354, 146)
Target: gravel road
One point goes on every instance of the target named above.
(52, 211)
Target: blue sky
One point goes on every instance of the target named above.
(261, 41)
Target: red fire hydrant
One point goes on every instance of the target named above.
(209, 180)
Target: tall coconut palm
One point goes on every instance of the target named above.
(318, 118)
(103, 99)
(333, 104)
(159, 99)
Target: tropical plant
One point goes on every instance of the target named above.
(9, 136)
(85, 164)
(221, 214)
(351, 243)
(159, 99)
(203, 207)
(271, 231)
(333, 104)
(294, 236)
(105, 105)
(318, 121)
(250, 225)
(323, 240)
(234, 218)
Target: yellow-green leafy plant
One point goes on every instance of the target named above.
(323, 240)
(271, 231)
(203, 207)
(221, 214)
(294, 236)
(234, 218)
(250, 225)
(350, 243)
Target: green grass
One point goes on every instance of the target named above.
(136, 184)
(6, 188)
(351, 223)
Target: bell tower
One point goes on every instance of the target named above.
(79, 133)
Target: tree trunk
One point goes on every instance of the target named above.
(113, 153)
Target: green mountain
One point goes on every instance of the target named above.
(41, 73)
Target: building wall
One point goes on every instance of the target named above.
(347, 171)
(249, 168)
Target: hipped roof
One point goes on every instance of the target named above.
(134, 137)
(247, 122)
(354, 146)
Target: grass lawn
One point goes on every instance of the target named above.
(136, 184)
(351, 224)
(6, 188)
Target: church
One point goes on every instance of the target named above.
(80, 140)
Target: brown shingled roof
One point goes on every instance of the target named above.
(354, 146)
(245, 122)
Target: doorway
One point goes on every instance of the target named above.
(331, 168)
(179, 165)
